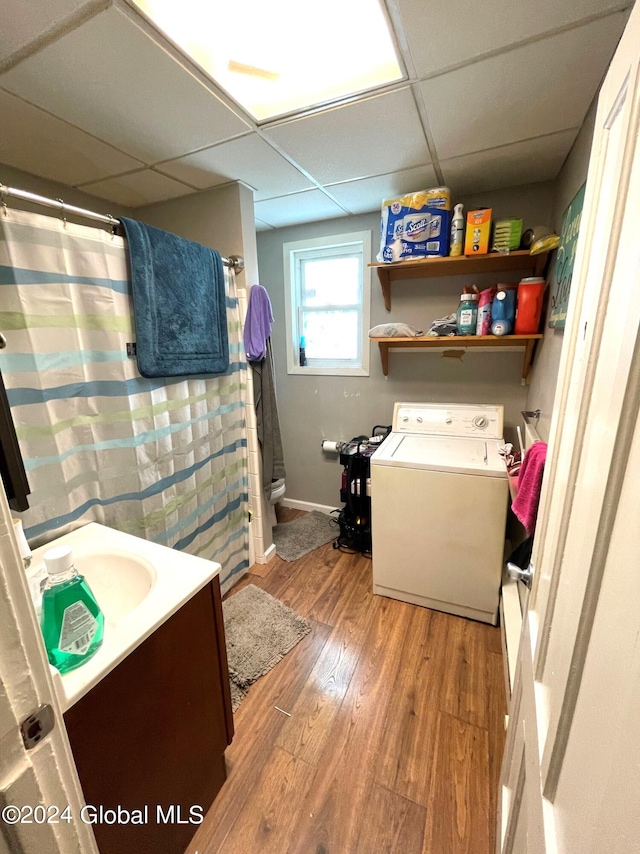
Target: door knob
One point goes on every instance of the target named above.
(518, 574)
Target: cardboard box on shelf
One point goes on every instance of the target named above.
(478, 232)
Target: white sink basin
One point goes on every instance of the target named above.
(138, 585)
(119, 580)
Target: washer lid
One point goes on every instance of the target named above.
(441, 453)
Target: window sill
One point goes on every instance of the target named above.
(328, 372)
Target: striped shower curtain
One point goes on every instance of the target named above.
(162, 459)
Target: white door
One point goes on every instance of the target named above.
(571, 771)
(36, 785)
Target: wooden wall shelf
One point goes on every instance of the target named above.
(460, 342)
(494, 262)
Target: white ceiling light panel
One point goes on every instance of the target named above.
(278, 57)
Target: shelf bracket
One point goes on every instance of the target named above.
(540, 264)
(385, 284)
(384, 357)
(528, 360)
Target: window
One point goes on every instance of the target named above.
(327, 287)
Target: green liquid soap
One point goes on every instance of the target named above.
(72, 622)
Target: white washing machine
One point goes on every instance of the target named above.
(439, 498)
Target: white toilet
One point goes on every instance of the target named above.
(278, 489)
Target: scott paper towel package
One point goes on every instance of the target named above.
(416, 225)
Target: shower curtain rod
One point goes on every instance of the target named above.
(234, 261)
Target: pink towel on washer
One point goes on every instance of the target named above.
(525, 505)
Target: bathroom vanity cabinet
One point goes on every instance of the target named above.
(152, 734)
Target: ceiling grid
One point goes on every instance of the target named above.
(480, 108)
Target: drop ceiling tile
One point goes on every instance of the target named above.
(368, 137)
(136, 97)
(537, 89)
(445, 36)
(138, 188)
(263, 226)
(309, 206)
(525, 162)
(39, 143)
(247, 158)
(368, 194)
(26, 20)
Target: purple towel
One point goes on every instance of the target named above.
(257, 326)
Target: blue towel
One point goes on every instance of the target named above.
(179, 303)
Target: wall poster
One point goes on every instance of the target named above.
(563, 272)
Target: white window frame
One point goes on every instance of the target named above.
(291, 253)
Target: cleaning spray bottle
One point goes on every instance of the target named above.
(72, 622)
(457, 231)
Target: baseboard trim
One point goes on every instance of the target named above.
(308, 506)
(268, 555)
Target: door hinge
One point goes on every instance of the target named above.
(37, 726)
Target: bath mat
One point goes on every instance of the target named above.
(303, 535)
(260, 630)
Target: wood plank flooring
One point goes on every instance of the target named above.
(396, 731)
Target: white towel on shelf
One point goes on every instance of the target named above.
(394, 330)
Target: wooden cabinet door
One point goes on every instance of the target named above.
(152, 734)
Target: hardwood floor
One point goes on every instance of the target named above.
(396, 731)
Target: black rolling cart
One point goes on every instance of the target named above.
(355, 517)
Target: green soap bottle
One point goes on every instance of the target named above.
(72, 622)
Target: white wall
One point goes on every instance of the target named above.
(221, 218)
(544, 374)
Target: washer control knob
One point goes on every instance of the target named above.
(480, 421)
(405, 418)
(419, 419)
(449, 421)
